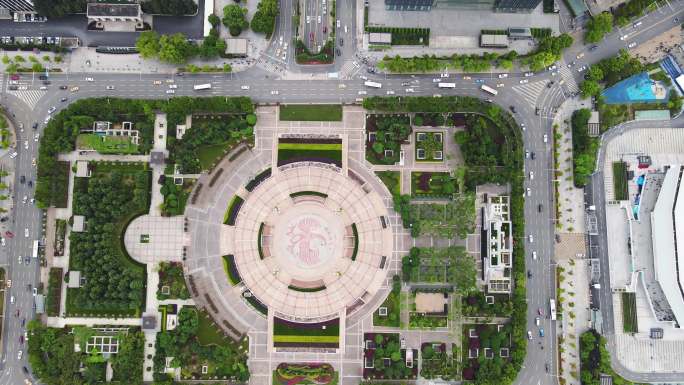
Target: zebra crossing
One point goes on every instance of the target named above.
(531, 91)
(566, 75)
(30, 97)
(348, 70)
(270, 64)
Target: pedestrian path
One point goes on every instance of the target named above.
(531, 91)
(566, 75)
(30, 97)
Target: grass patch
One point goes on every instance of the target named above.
(171, 275)
(259, 234)
(231, 270)
(311, 112)
(318, 152)
(629, 313)
(432, 184)
(208, 333)
(308, 193)
(355, 233)
(405, 36)
(305, 374)
(391, 179)
(106, 144)
(306, 289)
(314, 339)
(429, 147)
(620, 181)
(210, 154)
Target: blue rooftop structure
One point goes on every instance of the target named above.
(635, 89)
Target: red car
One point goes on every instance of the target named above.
(14, 77)
(540, 311)
(9, 234)
(21, 339)
(325, 29)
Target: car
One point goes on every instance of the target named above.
(43, 88)
(2, 241)
(341, 41)
(27, 260)
(14, 77)
(528, 74)
(529, 191)
(532, 154)
(285, 55)
(530, 238)
(489, 100)
(275, 92)
(554, 73)
(540, 207)
(338, 24)
(436, 80)
(26, 144)
(13, 88)
(512, 108)
(503, 76)
(529, 335)
(410, 90)
(173, 86)
(244, 87)
(523, 81)
(593, 48)
(13, 155)
(35, 126)
(363, 77)
(319, 19)
(62, 100)
(20, 260)
(109, 88)
(582, 69)
(47, 119)
(89, 79)
(534, 256)
(529, 274)
(20, 354)
(537, 320)
(51, 109)
(74, 89)
(466, 78)
(338, 52)
(35, 291)
(404, 84)
(23, 88)
(170, 91)
(22, 179)
(169, 80)
(527, 154)
(180, 73)
(531, 175)
(541, 332)
(9, 283)
(12, 299)
(32, 201)
(546, 138)
(446, 75)
(632, 44)
(157, 82)
(499, 85)
(308, 19)
(362, 92)
(25, 199)
(522, 125)
(390, 92)
(553, 67)
(25, 369)
(26, 232)
(546, 366)
(579, 55)
(540, 311)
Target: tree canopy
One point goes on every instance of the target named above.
(59, 8)
(169, 7)
(234, 18)
(265, 16)
(598, 27)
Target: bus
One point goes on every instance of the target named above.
(489, 89)
(447, 85)
(552, 309)
(369, 83)
(199, 87)
(35, 249)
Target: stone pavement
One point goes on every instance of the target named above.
(574, 290)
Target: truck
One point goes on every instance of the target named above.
(199, 87)
(447, 85)
(369, 83)
(552, 309)
(488, 89)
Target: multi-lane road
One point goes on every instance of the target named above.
(525, 98)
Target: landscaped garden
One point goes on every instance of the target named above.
(305, 374)
(391, 179)
(452, 266)
(429, 146)
(455, 218)
(171, 282)
(429, 308)
(110, 199)
(438, 363)
(620, 181)
(629, 313)
(385, 135)
(595, 360)
(60, 236)
(475, 305)
(311, 112)
(198, 342)
(316, 150)
(315, 335)
(175, 195)
(54, 293)
(106, 144)
(304, 56)
(384, 358)
(486, 347)
(389, 313)
(425, 184)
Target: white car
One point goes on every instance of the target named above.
(553, 67)
(436, 80)
(582, 69)
(410, 90)
(26, 232)
(170, 91)
(503, 76)
(13, 155)
(2, 241)
(47, 119)
(529, 191)
(51, 109)
(390, 92)
(319, 19)
(528, 74)
(109, 88)
(529, 335)
(89, 79)
(33, 162)
(632, 44)
(363, 92)
(530, 238)
(534, 255)
(637, 24)
(21, 260)
(523, 81)
(554, 73)
(546, 138)
(531, 175)
(12, 299)
(338, 24)
(580, 55)
(36, 137)
(24, 200)
(43, 88)
(308, 19)
(35, 291)
(624, 37)
(363, 77)
(156, 82)
(536, 321)
(26, 144)
(275, 92)
(173, 86)
(244, 87)
(445, 75)
(21, 352)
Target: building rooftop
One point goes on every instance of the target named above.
(494, 40)
(82, 169)
(40, 304)
(74, 279)
(79, 224)
(236, 46)
(113, 10)
(380, 38)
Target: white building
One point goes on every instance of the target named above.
(498, 248)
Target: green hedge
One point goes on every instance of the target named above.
(620, 181)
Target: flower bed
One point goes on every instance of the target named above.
(432, 184)
(429, 147)
(305, 374)
(384, 358)
(385, 135)
(318, 335)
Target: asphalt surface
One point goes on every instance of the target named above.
(540, 288)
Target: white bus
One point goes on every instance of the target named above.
(199, 87)
(35, 249)
(447, 85)
(552, 309)
(489, 89)
(369, 83)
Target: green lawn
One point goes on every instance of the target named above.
(629, 315)
(210, 154)
(620, 181)
(106, 144)
(296, 152)
(209, 333)
(311, 112)
(393, 317)
(391, 179)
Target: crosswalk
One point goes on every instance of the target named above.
(348, 70)
(566, 75)
(30, 97)
(270, 64)
(531, 91)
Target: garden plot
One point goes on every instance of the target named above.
(448, 220)
(451, 266)
(429, 146)
(437, 362)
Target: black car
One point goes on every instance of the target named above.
(529, 274)
(13, 88)
(42, 77)
(338, 52)
(179, 74)
(532, 155)
(63, 87)
(593, 48)
(536, 110)
(25, 369)
(22, 179)
(35, 126)
(30, 184)
(512, 109)
(540, 207)
(63, 99)
(47, 82)
(341, 42)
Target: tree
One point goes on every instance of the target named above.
(234, 18)
(148, 44)
(214, 20)
(598, 27)
(19, 59)
(589, 88)
(6, 60)
(265, 16)
(59, 8)
(47, 58)
(595, 73)
(174, 49)
(37, 67)
(169, 7)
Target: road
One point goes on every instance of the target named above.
(540, 288)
